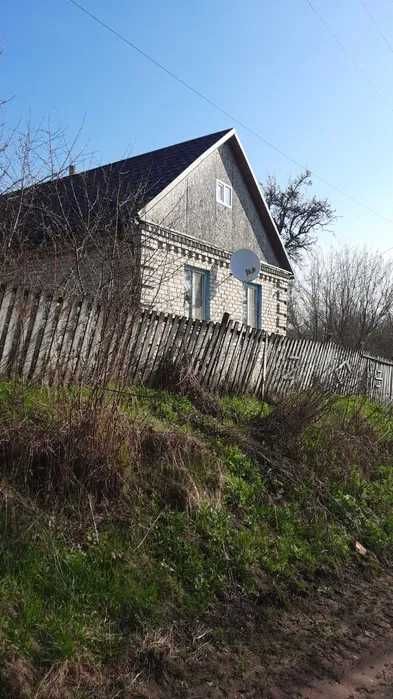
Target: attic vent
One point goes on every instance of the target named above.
(224, 193)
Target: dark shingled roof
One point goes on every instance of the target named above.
(149, 173)
(132, 182)
(69, 201)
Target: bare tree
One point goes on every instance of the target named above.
(347, 296)
(299, 219)
(76, 233)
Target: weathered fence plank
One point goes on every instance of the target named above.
(44, 338)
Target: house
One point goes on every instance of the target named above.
(195, 203)
(208, 205)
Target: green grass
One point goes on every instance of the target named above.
(158, 407)
(65, 601)
(80, 581)
(243, 408)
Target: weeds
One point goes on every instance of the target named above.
(291, 416)
(122, 516)
(154, 651)
(179, 377)
(243, 409)
(92, 448)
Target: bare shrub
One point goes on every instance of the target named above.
(316, 437)
(345, 437)
(292, 415)
(76, 233)
(83, 446)
(178, 376)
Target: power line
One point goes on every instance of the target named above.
(223, 111)
(326, 24)
(377, 27)
(343, 48)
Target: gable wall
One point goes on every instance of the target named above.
(191, 208)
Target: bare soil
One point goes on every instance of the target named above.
(373, 677)
(333, 642)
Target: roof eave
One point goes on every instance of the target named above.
(263, 208)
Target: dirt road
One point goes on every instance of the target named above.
(370, 678)
(335, 642)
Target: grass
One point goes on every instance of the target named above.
(122, 514)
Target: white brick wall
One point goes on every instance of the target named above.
(165, 258)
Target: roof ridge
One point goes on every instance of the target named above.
(215, 135)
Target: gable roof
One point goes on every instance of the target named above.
(161, 167)
(138, 180)
(260, 202)
(149, 176)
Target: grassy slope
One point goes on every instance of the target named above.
(121, 520)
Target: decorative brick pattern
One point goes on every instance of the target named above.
(165, 256)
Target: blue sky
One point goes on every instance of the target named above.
(320, 90)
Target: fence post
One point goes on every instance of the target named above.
(216, 349)
(264, 366)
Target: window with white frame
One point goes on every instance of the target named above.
(224, 193)
(196, 296)
(252, 315)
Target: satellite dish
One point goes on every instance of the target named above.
(245, 265)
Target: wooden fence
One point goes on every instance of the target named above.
(44, 338)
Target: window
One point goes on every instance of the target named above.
(196, 296)
(252, 305)
(224, 193)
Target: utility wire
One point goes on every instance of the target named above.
(343, 48)
(377, 27)
(183, 82)
(328, 27)
(223, 111)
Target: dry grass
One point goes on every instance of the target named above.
(70, 679)
(179, 377)
(292, 415)
(18, 677)
(64, 680)
(88, 447)
(155, 650)
(151, 525)
(180, 468)
(76, 447)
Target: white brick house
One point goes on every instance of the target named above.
(213, 207)
(185, 209)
